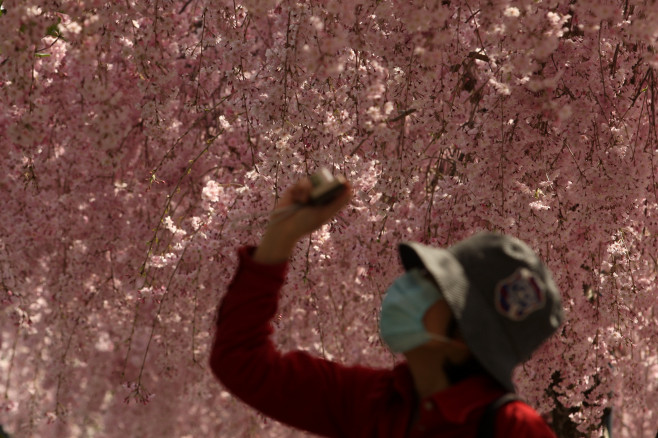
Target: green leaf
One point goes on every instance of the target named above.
(42, 55)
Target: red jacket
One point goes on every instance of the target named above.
(334, 400)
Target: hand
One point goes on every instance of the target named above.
(295, 218)
(286, 228)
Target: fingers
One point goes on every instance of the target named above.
(300, 193)
(331, 209)
(343, 199)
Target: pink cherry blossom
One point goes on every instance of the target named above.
(144, 142)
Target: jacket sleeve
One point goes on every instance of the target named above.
(296, 388)
(519, 420)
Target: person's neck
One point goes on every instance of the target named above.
(426, 367)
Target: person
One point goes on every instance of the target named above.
(463, 318)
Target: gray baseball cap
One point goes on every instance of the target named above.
(501, 294)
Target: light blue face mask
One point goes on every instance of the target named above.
(403, 307)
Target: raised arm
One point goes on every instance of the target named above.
(296, 388)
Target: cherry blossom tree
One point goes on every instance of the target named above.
(143, 142)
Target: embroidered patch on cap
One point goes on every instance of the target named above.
(519, 295)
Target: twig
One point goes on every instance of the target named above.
(402, 115)
(185, 7)
(356, 149)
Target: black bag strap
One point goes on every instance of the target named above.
(486, 429)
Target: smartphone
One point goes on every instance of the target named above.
(326, 187)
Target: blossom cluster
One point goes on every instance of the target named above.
(143, 142)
